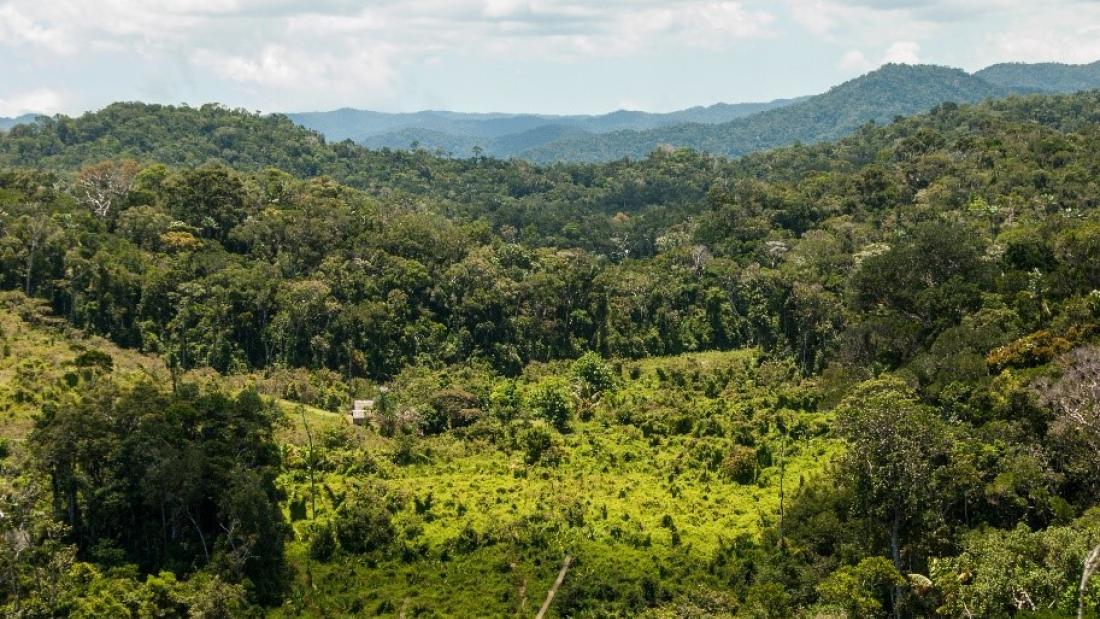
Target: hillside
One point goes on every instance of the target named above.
(170, 135)
(1043, 77)
(641, 507)
(730, 130)
(880, 96)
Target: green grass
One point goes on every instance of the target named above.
(628, 488)
(36, 362)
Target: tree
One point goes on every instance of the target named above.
(165, 480)
(102, 186)
(1075, 400)
(210, 198)
(896, 446)
(860, 589)
(33, 231)
(595, 378)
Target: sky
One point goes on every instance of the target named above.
(548, 56)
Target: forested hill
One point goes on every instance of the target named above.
(169, 135)
(630, 221)
(1043, 77)
(847, 379)
(891, 91)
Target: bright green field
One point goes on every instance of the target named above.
(494, 537)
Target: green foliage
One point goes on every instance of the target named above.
(862, 590)
(167, 481)
(594, 373)
(1046, 76)
(363, 523)
(94, 359)
(540, 445)
(897, 448)
(740, 464)
(1001, 572)
(551, 402)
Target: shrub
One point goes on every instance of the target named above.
(740, 464)
(1031, 350)
(550, 401)
(452, 409)
(593, 372)
(322, 543)
(364, 523)
(94, 359)
(861, 589)
(540, 446)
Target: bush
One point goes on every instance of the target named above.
(364, 523)
(540, 446)
(1031, 350)
(322, 543)
(452, 409)
(740, 464)
(861, 590)
(550, 402)
(594, 372)
(94, 359)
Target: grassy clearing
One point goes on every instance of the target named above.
(639, 498)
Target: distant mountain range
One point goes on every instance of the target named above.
(8, 123)
(726, 129)
(502, 134)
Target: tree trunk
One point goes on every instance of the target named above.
(30, 271)
(782, 497)
(554, 589)
(1092, 562)
(895, 554)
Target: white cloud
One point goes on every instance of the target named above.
(903, 52)
(282, 54)
(854, 61)
(40, 101)
(859, 23)
(1048, 37)
(294, 74)
(17, 29)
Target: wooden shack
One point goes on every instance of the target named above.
(361, 412)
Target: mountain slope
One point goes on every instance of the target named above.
(459, 132)
(880, 96)
(170, 135)
(1043, 77)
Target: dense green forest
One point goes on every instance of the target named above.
(854, 378)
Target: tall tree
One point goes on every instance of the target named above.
(896, 445)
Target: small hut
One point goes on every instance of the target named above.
(361, 412)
